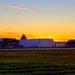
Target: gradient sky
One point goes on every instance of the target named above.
(38, 19)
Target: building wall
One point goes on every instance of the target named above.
(29, 43)
(47, 43)
(1, 40)
(37, 43)
(60, 44)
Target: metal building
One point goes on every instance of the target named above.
(37, 43)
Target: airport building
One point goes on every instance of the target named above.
(37, 43)
(26, 43)
(40, 42)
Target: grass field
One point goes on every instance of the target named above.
(53, 62)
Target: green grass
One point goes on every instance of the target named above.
(23, 68)
(54, 57)
(55, 62)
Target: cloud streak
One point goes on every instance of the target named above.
(14, 7)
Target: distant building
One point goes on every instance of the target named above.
(60, 44)
(71, 43)
(24, 42)
(9, 42)
(47, 43)
(1, 39)
(36, 42)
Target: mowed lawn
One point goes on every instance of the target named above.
(50, 56)
(47, 62)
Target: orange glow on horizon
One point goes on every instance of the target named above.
(18, 36)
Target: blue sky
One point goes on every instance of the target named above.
(29, 16)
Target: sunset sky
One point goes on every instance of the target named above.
(38, 19)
